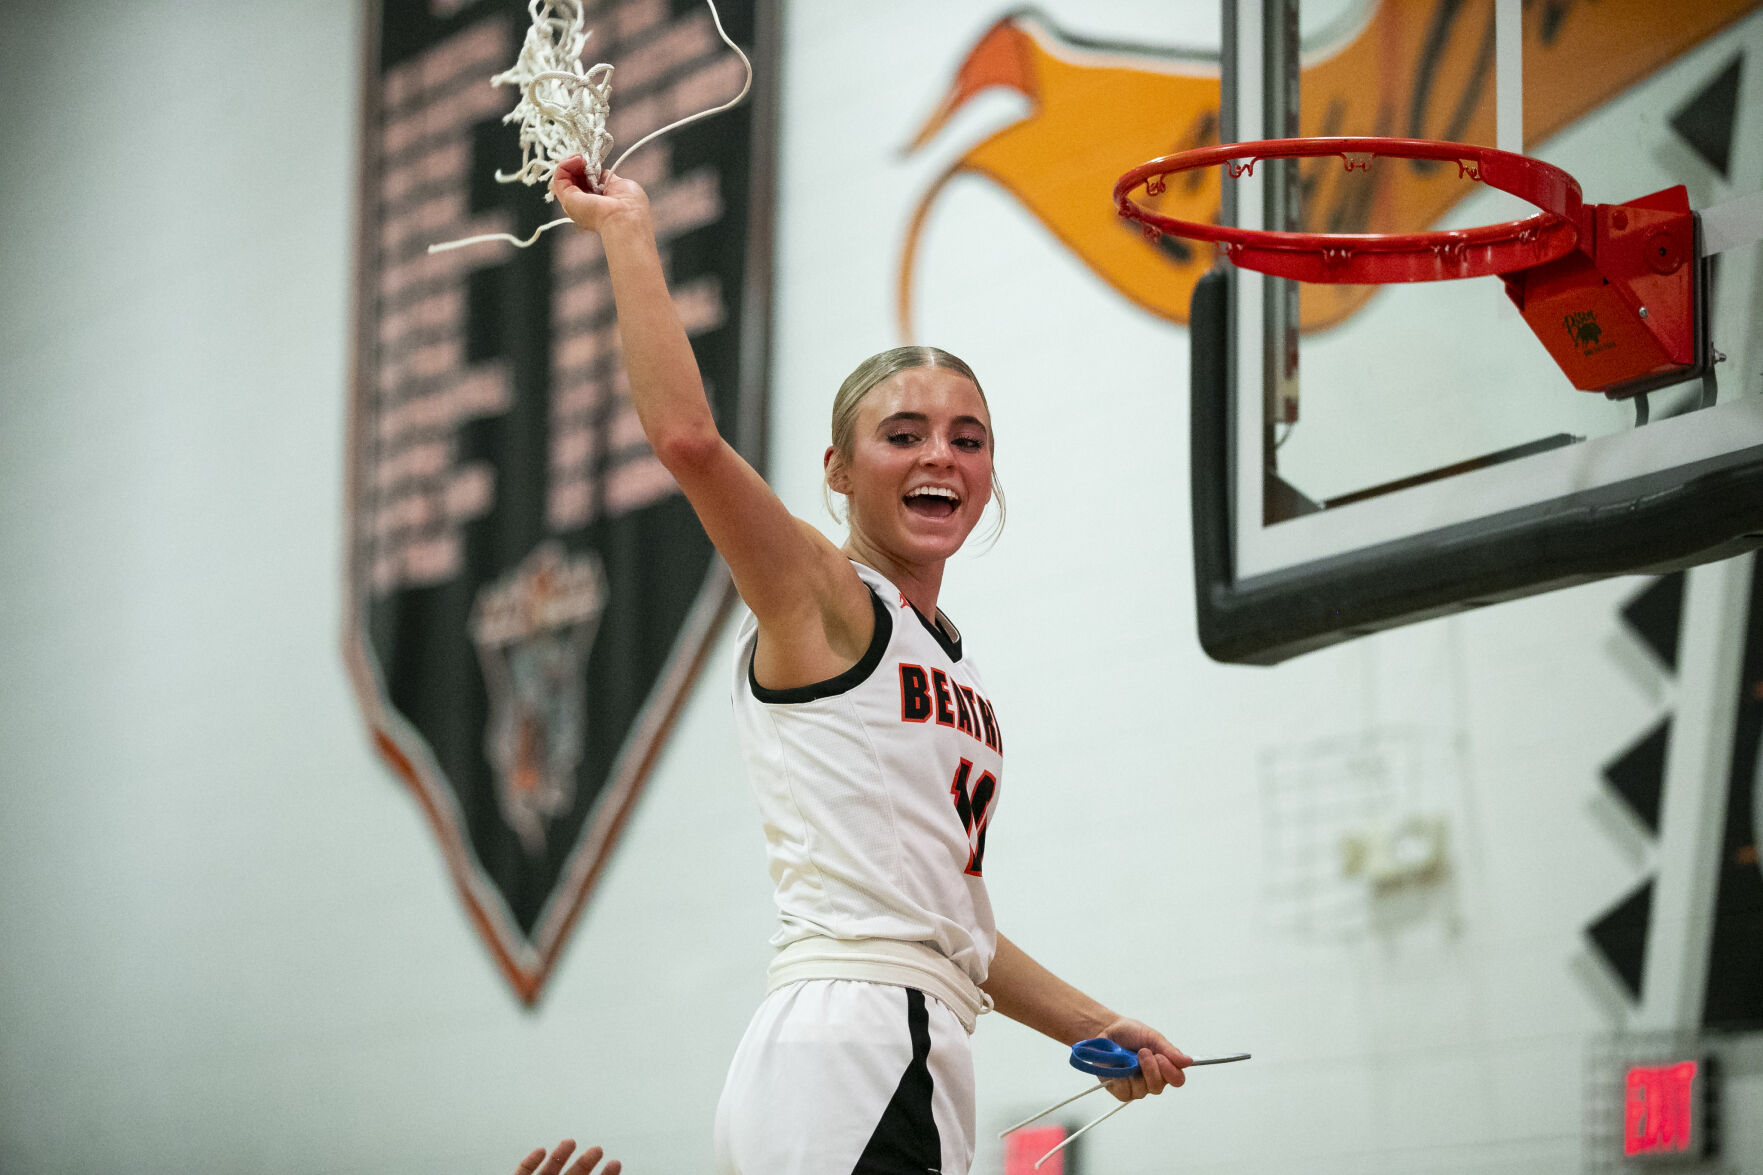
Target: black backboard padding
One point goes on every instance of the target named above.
(1734, 998)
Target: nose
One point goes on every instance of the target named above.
(937, 451)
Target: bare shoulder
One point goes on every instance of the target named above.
(827, 632)
(843, 598)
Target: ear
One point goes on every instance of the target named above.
(838, 478)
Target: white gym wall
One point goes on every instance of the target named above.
(229, 938)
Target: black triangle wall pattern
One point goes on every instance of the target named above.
(1706, 121)
(1620, 936)
(1638, 776)
(1656, 615)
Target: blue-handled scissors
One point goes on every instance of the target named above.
(1102, 1058)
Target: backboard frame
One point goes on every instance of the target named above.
(1628, 503)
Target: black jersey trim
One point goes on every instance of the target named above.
(844, 682)
(950, 645)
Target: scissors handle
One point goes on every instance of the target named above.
(1103, 1058)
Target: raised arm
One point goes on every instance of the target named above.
(813, 610)
(1030, 994)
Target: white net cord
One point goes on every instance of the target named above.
(563, 108)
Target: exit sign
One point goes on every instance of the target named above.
(1665, 1111)
(1024, 1147)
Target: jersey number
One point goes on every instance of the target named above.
(975, 809)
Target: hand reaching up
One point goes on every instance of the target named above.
(590, 210)
(538, 1163)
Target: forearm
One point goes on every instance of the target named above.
(1030, 994)
(665, 386)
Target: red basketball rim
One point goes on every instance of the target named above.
(1378, 257)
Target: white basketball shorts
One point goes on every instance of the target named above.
(842, 1077)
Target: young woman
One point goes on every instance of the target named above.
(873, 748)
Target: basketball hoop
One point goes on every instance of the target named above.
(1365, 258)
(1616, 293)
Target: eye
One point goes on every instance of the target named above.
(970, 444)
(902, 438)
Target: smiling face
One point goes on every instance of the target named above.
(919, 471)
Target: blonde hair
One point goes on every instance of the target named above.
(882, 366)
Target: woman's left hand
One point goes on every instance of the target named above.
(1160, 1063)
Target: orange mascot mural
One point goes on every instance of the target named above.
(1413, 69)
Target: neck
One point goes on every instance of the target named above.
(920, 583)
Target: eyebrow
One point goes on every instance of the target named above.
(921, 418)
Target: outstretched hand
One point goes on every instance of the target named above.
(538, 1163)
(591, 210)
(1160, 1063)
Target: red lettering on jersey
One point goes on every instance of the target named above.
(994, 738)
(940, 683)
(978, 731)
(963, 708)
(975, 809)
(914, 693)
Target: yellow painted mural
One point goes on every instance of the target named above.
(1414, 69)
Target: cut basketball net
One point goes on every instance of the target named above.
(1108, 1061)
(563, 108)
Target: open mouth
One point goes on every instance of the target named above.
(933, 501)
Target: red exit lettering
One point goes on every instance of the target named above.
(1023, 1147)
(1657, 1109)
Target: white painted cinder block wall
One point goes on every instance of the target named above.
(229, 941)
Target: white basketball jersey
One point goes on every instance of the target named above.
(876, 789)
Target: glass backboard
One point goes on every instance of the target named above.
(1367, 456)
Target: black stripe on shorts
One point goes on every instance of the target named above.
(906, 1141)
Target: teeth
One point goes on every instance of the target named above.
(935, 492)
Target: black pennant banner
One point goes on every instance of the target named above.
(530, 596)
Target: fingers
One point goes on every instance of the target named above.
(589, 1160)
(1151, 1072)
(1173, 1055)
(1157, 1072)
(1159, 1043)
(559, 1155)
(1174, 1072)
(537, 1164)
(569, 184)
(572, 172)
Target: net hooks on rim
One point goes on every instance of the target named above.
(1373, 258)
